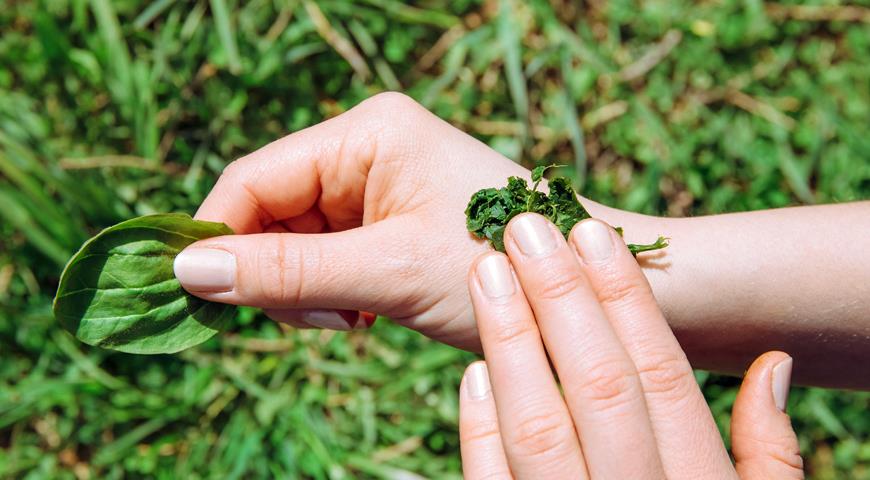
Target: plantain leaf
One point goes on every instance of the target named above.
(119, 290)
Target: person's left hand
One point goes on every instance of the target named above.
(631, 407)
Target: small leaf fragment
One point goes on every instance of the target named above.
(660, 243)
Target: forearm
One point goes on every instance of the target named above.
(736, 285)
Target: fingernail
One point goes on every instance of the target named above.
(477, 381)
(533, 235)
(781, 383)
(593, 241)
(205, 269)
(494, 275)
(329, 319)
(366, 320)
(359, 320)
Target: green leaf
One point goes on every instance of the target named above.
(119, 290)
(490, 209)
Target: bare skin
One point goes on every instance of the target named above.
(365, 212)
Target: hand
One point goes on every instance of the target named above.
(631, 407)
(388, 166)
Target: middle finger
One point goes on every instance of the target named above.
(601, 385)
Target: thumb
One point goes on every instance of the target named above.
(763, 441)
(365, 268)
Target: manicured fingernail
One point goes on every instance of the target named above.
(533, 235)
(781, 382)
(357, 320)
(329, 319)
(205, 270)
(593, 241)
(494, 275)
(477, 381)
(366, 320)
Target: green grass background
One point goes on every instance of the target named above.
(111, 109)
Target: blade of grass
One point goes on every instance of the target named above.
(336, 41)
(191, 23)
(117, 449)
(301, 52)
(19, 217)
(152, 11)
(509, 40)
(560, 34)
(572, 125)
(118, 55)
(652, 57)
(410, 14)
(453, 62)
(84, 363)
(370, 48)
(227, 34)
(793, 173)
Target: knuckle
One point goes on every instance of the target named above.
(385, 111)
(378, 128)
(233, 169)
(620, 290)
(667, 375)
(609, 385)
(498, 473)
(539, 434)
(477, 431)
(280, 273)
(559, 282)
(782, 448)
(511, 333)
(233, 173)
(391, 102)
(793, 461)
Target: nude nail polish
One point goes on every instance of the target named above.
(533, 235)
(205, 270)
(477, 381)
(495, 277)
(593, 241)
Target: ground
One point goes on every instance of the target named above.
(110, 110)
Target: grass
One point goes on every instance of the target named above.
(110, 109)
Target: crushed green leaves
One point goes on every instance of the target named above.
(490, 209)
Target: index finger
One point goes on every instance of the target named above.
(323, 167)
(280, 180)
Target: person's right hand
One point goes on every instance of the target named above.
(364, 211)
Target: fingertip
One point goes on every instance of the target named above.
(475, 381)
(202, 270)
(473, 277)
(482, 453)
(771, 374)
(763, 440)
(593, 241)
(531, 235)
(766, 383)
